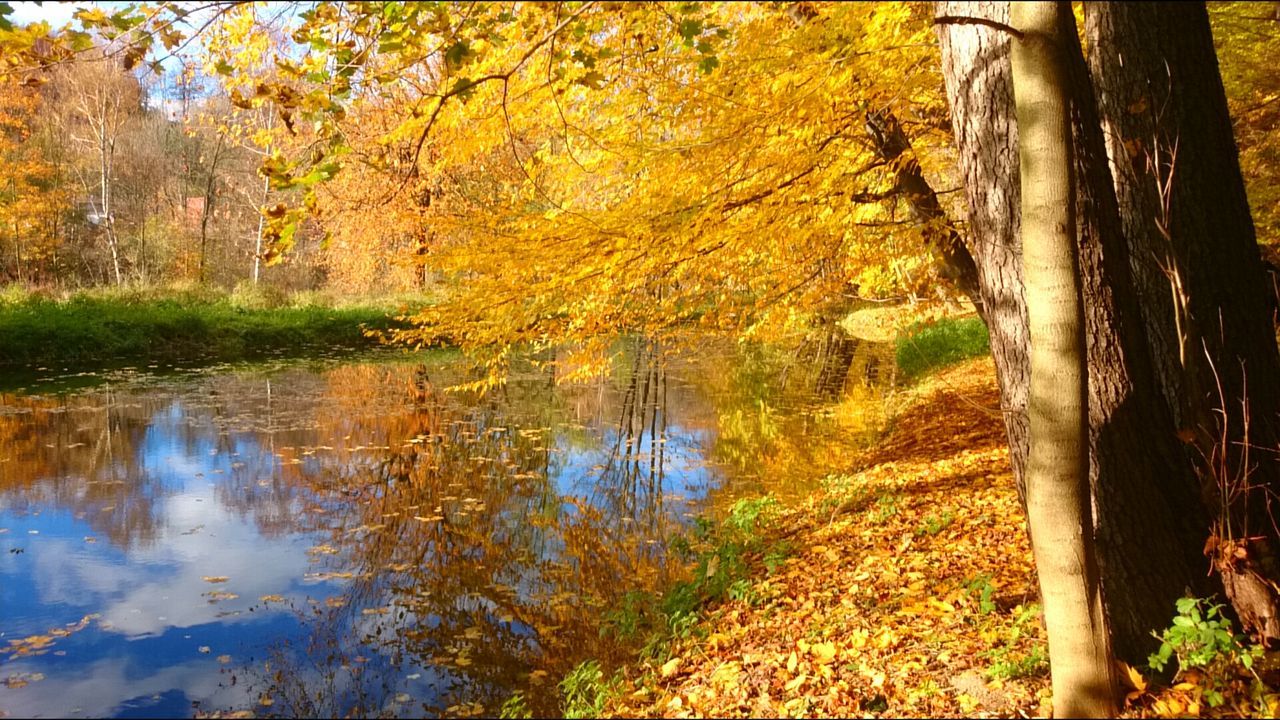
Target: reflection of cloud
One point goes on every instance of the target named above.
(161, 586)
(102, 686)
(224, 546)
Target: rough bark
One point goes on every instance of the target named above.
(1149, 523)
(1177, 178)
(975, 65)
(1140, 482)
(1057, 479)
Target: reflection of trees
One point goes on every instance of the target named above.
(494, 531)
(786, 418)
(458, 530)
(80, 455)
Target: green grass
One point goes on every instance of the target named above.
(924, 347)
(105, 326)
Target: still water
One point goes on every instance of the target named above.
(343, 536)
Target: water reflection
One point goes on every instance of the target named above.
(331, 538)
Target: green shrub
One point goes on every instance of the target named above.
(925, 346)
(93, 328)
(1200, 637)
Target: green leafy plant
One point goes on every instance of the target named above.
(515, 707)
(934, 524)
(1010, 665)
(984, 592)
(1009, 660)
(585, 692)
(886, 507)
(1201, 638)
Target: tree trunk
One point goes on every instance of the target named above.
(975, 65)
(1144, 492)
(1177, 177)
(1057, 479)
(950, 256)
(262, 219)
(1149, 523)
(208, 202)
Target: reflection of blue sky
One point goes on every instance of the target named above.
(154, 616)
(594, 473)
(199, 465)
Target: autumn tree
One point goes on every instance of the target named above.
(32, 201)
(594, 168)
(99, 104)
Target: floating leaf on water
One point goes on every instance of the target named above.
(224, 659)
(375, 611)
(272, 598)
(324, 549)
(204, 649)
(335, 602)
(403, 697)
(215, 578)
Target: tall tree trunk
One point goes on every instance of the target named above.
(1057, 479)
(262, 219)
(975, 65)
(1197, 268)
(1140, 484)
(1149, 522)
(208, 202)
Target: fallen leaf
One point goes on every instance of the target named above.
(670, 667)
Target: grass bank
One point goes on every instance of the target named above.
(101, 327)
(923, 347)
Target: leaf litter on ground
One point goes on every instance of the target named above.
(913, 592)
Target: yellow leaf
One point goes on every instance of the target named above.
(726, 676)
(670, 667)
(824, 653)
(1131, 677)
(795, 683)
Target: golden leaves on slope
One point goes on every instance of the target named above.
(913, 580)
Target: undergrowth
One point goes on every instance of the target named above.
(926, 346)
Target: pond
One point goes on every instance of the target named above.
(344, 536)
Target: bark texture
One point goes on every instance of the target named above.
(1147, 519)
(1057, 487)
(1195, 263)
(1149, 523)
(975, 66)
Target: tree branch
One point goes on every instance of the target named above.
(965, 20)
